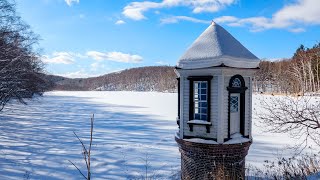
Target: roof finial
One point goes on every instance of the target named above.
(213, 23)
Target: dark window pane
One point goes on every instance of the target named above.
(236, 82)
(204, 85)
(203, 104)
(203, 117)
(234, 104)
(203, 110)
(200, 100)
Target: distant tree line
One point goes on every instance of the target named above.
(152, 78)
(20, 66)
(296, 75)
(299, 74)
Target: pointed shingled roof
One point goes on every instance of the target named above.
(216, 47)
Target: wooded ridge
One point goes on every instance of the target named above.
(152, 78)
(298, 75)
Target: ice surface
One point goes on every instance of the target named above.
(37, 140)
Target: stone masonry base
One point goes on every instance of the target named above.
(212, 161)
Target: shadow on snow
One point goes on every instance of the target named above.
(37, 140)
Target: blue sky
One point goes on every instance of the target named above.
(82, 38)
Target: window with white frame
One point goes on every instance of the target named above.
(200, 100)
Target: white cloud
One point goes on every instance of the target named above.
(224, 19)
(135, 10)
(83, 73)
(292, 17)
(163, 63)
(70, 2)
(304, 11)
(115, 56)
(78, 74)
(96, 66)
(59, 58)
(70, 57)
(119, 22)
(301, 13)
(176, 19)
(297, 30)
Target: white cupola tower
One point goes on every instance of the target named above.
(215, 105)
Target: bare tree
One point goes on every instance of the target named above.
(86, 152)
(300, 167)
(20, 66)
(298, 116)
(299, 74)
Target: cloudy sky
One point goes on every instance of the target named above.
(81, 38)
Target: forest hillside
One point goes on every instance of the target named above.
(298, 74)
(152, 78)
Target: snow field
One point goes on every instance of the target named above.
(132, 131)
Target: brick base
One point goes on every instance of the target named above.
(212, 161)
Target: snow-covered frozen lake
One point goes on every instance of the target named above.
(131, 129)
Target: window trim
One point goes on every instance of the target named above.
(191, 100)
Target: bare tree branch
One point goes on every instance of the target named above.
(86, 154)
(20, 66)
(298, 116)
(78, 169)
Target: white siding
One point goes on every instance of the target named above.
(226, 105)
(214, 106)
(181, 106)
(227, 73)
(186, 91)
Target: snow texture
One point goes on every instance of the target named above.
(215, 47)
(237, 139)
(36, 141)
(204, 141)
(199, 122)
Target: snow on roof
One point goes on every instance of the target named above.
(215, 47)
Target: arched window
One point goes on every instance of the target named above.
(236, 82)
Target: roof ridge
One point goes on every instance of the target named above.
(216, 42)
